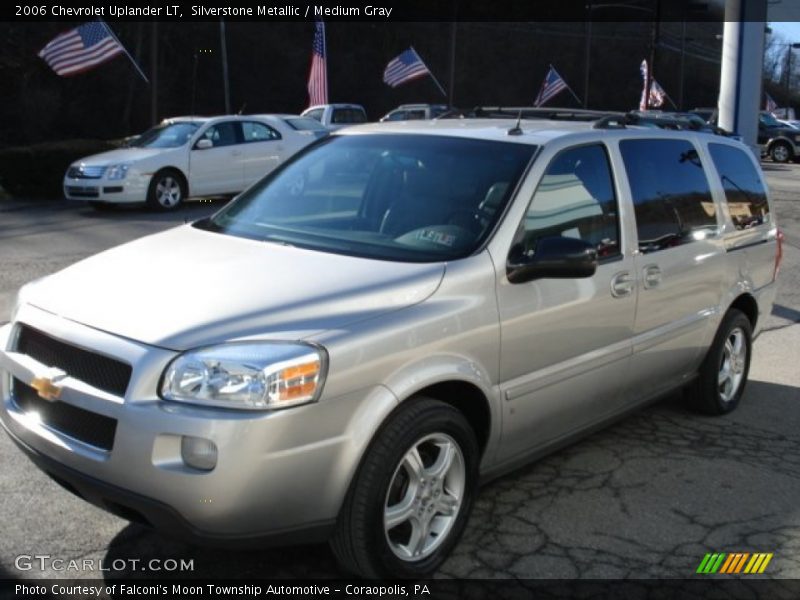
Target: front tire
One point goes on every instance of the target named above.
(780, 152)
(167, 190)
(411, 497)
(723, 374)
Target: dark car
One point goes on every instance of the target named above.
(777, 140)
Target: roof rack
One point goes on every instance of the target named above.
(611, 122)
(529, 112)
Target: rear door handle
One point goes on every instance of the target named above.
(622, 284)
(651, 276)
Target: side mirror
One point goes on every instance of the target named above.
(204, 144)
(553, 258)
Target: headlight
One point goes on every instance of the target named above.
(117, 171)
(247, 375)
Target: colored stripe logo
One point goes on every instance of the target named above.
(734, 563)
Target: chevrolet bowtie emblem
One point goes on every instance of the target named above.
(46, 386)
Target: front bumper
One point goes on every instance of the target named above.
(279, 474)
(132, 189)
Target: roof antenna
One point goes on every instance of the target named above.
(241, 110)
(515, 130)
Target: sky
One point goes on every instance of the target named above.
(784, 18)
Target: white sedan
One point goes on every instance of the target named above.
(186, 157)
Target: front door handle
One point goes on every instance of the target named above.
(622, 284)
(651, 276)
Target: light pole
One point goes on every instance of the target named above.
(789, 48)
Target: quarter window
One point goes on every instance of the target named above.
(576, 198)
(744, 189)
(671, 195)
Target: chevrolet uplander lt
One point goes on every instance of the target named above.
(396, 313)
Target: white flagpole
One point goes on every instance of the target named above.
(125, 50)
(436, 81)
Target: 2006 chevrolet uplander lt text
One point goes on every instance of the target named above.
(395, 313)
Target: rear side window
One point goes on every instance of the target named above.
(671, 195)
(258, 132)
(744, 189)
(348, 115)
(575, 198)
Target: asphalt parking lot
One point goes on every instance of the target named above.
(645, 498)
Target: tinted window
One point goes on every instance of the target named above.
(393, 197)
(258, 132)
(671, 195)
(221, 134)
(576, 198)
(348, 115)
(744, 190)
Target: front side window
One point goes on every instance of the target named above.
(406, 197)
(671, 195)
(744, 189)
(315, 114)
(221, 134)
(397, 115)
(253, 131)
(575, 198)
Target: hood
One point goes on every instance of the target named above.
(121, 155)
(186, 287)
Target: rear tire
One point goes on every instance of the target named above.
(411, 497)
(723, 374)
(167, 190)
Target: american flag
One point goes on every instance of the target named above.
(405, 67)
(318, 77)
(657, 94)
(81, 49)
(770, 104)
(552, 85)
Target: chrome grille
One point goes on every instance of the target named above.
(85, 172)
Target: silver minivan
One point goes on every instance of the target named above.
(396, 314)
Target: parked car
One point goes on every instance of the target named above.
(397, 313)
(187, 157)
(777, 140)
(415, 112)
(336, 116)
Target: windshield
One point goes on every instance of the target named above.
(305, 124)
(166, 136)
(770, 121)
(418, 198)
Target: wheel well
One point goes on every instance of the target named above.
(468, 399)
(179, 173)
(748, 305)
